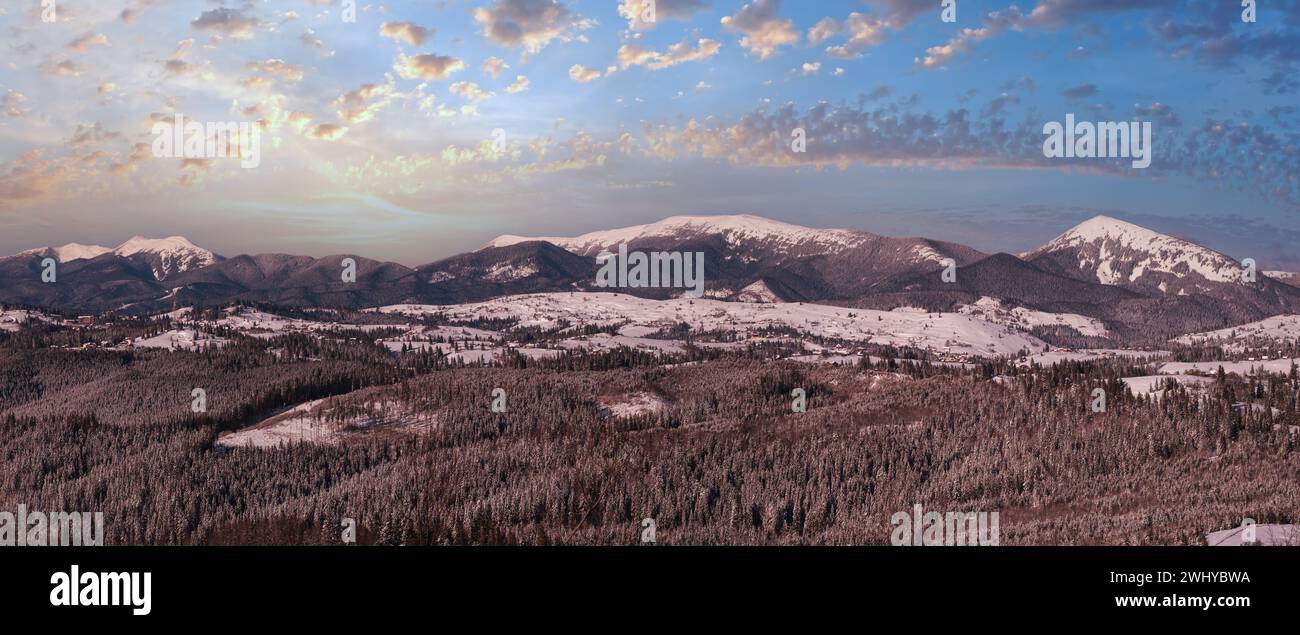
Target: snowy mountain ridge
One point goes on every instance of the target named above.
(165, 256)
(736, 229)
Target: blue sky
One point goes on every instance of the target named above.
(377, 134)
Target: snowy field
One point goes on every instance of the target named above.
(1147, 385)
(180, 340)
(1278, 327)
(247, 319)
(992, 310)
(12, 321)
(1240, 368)
(953, 332)
(1093, 354)
(305, 424)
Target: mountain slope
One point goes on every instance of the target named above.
(516, 268)
(1113, 252)
(1001, 276)
(794, 262)
(1285, 277)
(81, 286)
(298, 281)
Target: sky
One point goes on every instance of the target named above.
(411, 131)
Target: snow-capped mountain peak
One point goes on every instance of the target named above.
(736, 229)
(138, 244)
(1105, 227)
(1116, 252)
(68, 252)
(167, 256)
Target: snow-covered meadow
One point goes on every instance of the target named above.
(940, 332)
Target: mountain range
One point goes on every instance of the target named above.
(1139, 282)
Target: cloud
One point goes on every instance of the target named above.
(129, 14)
(1059, 12)
(1279, 83)
(427, 66)
(1158, 112)
(11, 104)
(176, 67)
(864, 32)
(528, 24)
(139, 153)
(824, 30)
(411, 33)
(1080, 91)
(231, 23)
(60, 67)
(257, 82)
(635, 55)
(92, 135)
(84, 42)
(634, 10)
(32, 177)
(470, 91)
(901, 12)
(309, 39)
(995, 22)
(844, 135)
(582, 74)
(1047, 14)
(1206, 32)
(278, 68)
(1238, 154)
(361, 105)
(493, 67)
(879, 92)
(520, 85)
(327, 132)
(1024, 82)
(679, 53)
(811, 68)
(763, 32)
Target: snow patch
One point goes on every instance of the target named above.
(757, 292)
(641, 403)
(992, 310)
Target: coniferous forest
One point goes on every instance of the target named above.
(707, 443)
